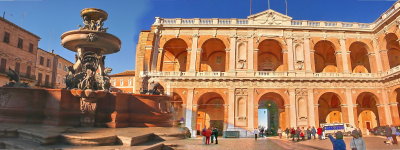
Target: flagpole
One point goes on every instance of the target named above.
(286, 7)
(251, 7)
(268, 5)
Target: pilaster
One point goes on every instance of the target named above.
(232, 56)
(350, 105)
(193, 54)
(251, 54)
(345, 56)
(385, 59)
(292, 99)
(290, 54)
(231, 108)
(250, 106)
(311, 113)
(307, 54)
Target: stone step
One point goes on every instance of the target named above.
(137, 140)
(16, 143)
(40, 137)
(89, 139)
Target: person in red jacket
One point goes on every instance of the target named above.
(292, 133)
(208, 134)
(319, 132)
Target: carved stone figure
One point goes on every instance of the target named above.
(14, 80)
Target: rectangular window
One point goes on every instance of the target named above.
(48, 63)
(6, 38)
(130, 82)
(20, 43)
(46, 80)
(31, 47)
(121, 82)
(28, 71)
(17, 66)
(3, 65)
(41, 60)
(59, 65)
(39, 78)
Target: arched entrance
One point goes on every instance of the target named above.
(210, 112)
(270, 56)
(271, 113)
(325, 59)
(213, 56)
(329, 109)
(174, 57)
(367, 112)
(393, 47)
(176, 109)
(360, 62)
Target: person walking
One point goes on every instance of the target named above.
(298, 131)
(308, 131)
(212, 135)
(292, 133)
(388, 133)
(394, 138)
(256, 132)
(313, 131)
(280, 132)
(203, 133)
(262, 132)
(319, 132)
(338, 143)
(215, 133)
(208, 135)
(357, 143)
(287, 133)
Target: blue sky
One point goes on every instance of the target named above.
(50, 18)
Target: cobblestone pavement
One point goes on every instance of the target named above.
(274, 143)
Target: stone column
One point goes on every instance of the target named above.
(385, 99)
(372, 62)
(250, 106)
(349, 101)
(226, 115)
(345, 113)
(307, 54)
(377, 55)
(255, 59)
(316, 113)
(287, 112)
(155, 51)
(231, 109)
(193, 54)
(194, 120)
(312, 60)
(345, 56)
(159, 59)
(339, 61)
(189, 110)
(311, 113)
(232, 56)
(290, 53)
(292, 99)
(228, 55)
(381, 113)
(251, 54)
(385, 59)
(395, 113)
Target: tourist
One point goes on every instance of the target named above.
(212, 135)
(208, 135)
(357, 143)
(338, 143)
(302, 134)
(313, 132)
(287, 133)
(308, 131)
(388, 133)
(262, 132)
(215, 133)
(394, 130)
(319, 132)
(203, 133)
(280, 132)
(298, 131)
(292, 133)
(255, 133)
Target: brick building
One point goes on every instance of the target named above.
(273, 71)
(19, 51)
(123, 82)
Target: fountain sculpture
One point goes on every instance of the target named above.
(87, 78)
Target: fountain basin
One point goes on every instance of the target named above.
(75, 39)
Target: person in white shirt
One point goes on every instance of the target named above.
(255, 133)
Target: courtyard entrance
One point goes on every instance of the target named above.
(367, 111)
(268, 117)
(329, 109)
(210, 112)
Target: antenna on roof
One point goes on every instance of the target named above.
(4, 14)
(286, 7)
(251, 6)
(269, 5)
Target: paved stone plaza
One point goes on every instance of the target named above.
(373, 143)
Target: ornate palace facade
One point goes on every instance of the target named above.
(222, 72)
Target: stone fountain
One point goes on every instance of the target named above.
(87, 78)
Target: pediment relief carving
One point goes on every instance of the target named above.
(269, 17)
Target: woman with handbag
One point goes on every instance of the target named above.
(357, 143)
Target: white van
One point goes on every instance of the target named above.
(331, 128)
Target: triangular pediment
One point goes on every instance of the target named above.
(270, 17)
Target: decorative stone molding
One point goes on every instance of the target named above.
(241, 92)
(160, 50)
(371, 54)
(383, 51)
(338, 52)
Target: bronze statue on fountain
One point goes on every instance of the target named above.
(88, 77)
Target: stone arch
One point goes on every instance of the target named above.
(167, 38)
(394, 104)
(282, 116)
(176, 108)
(324, 56)
(213, 56)
(360, 61)
(270, 56)
(329, 108)
(393, 47)
(174, 55)
(209, 108)
(368, 114)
